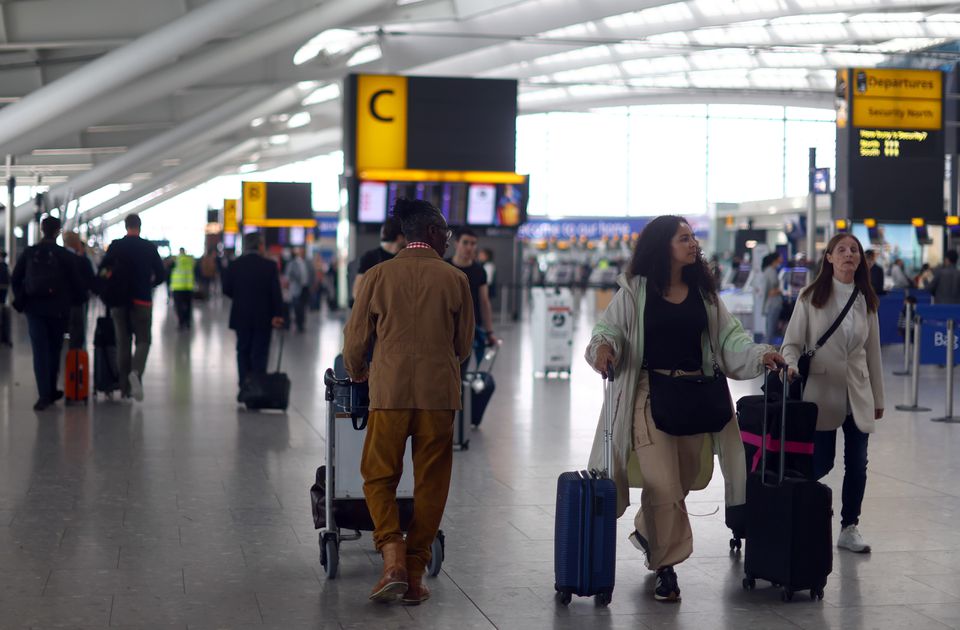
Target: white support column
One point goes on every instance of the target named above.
(195, 70)
(124, 64)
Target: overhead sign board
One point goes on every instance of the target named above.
(230, 224)
(890, 145)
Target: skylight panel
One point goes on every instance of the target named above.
(720, 79)
(732, 35)
(948, 30)
(803, 33)
(886, 30)
(655, 16)
(541, 96)
(887, 17)
(737, 8)
(908, 44)
(593, 73)
(595, 91)
(791, 59)
(675, 38)
(730, 58)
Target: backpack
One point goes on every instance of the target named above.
(44, 275)
(114, 284)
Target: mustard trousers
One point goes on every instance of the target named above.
(382, 466)
(670, 465)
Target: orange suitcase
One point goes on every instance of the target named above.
(76, 376)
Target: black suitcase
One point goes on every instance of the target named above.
(483, 387)
(268, 391)
(585, 529)
(789, 533)
(106, 371)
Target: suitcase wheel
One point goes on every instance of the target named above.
(735, 545)
(603, 599)
(437, 550)
(787, 594)
(816, 593)
(564, 597)
(749, 583)
(329, 555)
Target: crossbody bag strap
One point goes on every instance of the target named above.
(836, 323)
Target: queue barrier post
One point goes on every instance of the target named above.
(907, 341)
(915, 380)
(949, 417)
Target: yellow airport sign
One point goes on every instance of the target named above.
(888, 113)
(381, 122)
(414, 175)
(230, 225)
(953, 220)
(254, 202)
(897, 84)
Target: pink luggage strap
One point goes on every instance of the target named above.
(802, 448)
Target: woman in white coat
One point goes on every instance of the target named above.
(667, 317)
(845, 377)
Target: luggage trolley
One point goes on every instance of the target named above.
(344, 508)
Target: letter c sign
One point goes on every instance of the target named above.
(373, 105)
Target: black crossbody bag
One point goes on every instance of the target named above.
(803, 363)
(690, 404)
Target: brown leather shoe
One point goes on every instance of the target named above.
(417, 592)
(393, 583)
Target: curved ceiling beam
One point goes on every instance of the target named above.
(122, 65)
(474, 57)
(193, 70)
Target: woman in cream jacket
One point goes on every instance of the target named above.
(845, 378)
(666, 316)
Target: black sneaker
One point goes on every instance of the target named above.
(667, 590)
(641, 543)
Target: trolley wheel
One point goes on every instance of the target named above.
(332, 551)
(749, 583)
(436, 555)
(603, 599)
(819, 593)
(786, 595)
(735, 545)
(323, 553)
(564, 597)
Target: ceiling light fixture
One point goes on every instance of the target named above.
(322, 95)
(300, 119)
(367, 54)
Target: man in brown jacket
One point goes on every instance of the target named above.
(419, 310)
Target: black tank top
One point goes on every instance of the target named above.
(672, 332)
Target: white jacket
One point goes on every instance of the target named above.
(621, 327)
(835, 373)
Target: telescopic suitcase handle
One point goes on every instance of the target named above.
(608, 418)
(783, 425)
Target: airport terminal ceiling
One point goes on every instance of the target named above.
(162, 95)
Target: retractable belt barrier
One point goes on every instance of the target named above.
(934, 343)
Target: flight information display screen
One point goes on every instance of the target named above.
(890, 145)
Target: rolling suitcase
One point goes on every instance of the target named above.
(789, 535)
(585, 546)
(106, 371)
(76, 376)
(270, 390)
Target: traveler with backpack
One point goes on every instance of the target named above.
(46, 282)
(131, 269)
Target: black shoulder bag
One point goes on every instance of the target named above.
(803, 363)
(690, 404)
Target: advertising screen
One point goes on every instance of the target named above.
(372, 207)
(481, 204)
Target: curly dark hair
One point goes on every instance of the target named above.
(651, 258)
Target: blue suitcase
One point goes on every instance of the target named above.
(585, 546)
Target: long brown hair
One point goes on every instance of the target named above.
(819, 292)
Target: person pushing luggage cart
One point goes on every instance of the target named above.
(673, 343)
(419, 310)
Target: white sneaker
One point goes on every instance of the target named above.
(136, 387)
(851, 539)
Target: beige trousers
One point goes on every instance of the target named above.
(669, 465)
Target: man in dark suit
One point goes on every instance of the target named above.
(876, 272)
(252, 282)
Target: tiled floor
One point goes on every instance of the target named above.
(186, 511)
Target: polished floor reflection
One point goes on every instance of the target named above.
(186, 511)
